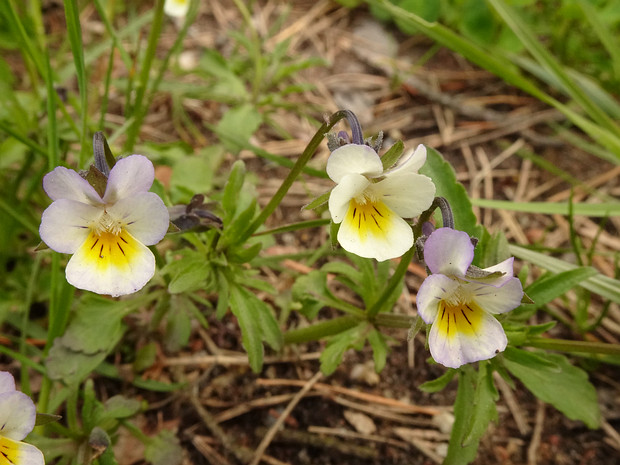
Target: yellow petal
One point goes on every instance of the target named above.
(19, 453)
(113, 264)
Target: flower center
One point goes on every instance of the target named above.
(368, 217)
(456, 316)
(107, 224)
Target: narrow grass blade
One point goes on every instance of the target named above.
(552, 208)
(605, 286)
(74, 31)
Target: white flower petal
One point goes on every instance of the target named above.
(130, 176)
(497, 299)
(351, 186)
(407, 195)
(448, 252)
(20, 453)
(7, 382)
(17, 415)
(112, 265)
(374, 231)
(410, 162)
(353, 159)
(434, 288)
(505, 267)
(65, 224)
(461, 342)
(145, 216)
(176, 8)
(63, 183)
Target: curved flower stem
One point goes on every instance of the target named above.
(395, 280)
(565, 345)
(295, 171)
(357, 136)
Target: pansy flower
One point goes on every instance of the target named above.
(17, 418)
(459, 301)
(108, 234)
(176, 8)
(370, 203)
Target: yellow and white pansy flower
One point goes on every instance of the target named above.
(370, 203)
(459, 305)
(176, 8)
(17, 419)
(108, 236)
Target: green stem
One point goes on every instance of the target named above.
(395, 280)
(145, 72)
(391, 320)
(320, 330)
(565, 345)
(294, 227)
(295, 171)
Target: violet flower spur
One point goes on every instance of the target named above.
(460, 305)
(107, 235)
(370, 203)
(17, 417)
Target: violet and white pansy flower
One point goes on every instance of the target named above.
(176, 8)
(107, 235)
(17, 417)
(459, 301)
(370, 203)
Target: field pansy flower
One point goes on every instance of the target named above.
(460, 305)
(17, 417)
(108, 234)
(370, 203)
(176, 8)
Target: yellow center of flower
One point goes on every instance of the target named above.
(10, 451)
(369, 217)
(109, 243)
(456, 316)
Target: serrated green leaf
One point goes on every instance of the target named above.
(121, 407)
(257, 323)
(484, 410)
(237, 126)
(187, 273)
(442, 174)
(565, 386)
(338, 345)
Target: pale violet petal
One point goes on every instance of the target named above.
(434, 288)
(448, 252)
(351, 186)
(17, 415)
(176, 8)
(505, 267)
(111, 265)
(462, 348)
(7, 382)
(128, 177)
(63, 183)
(407, 195)
(20, 453)
(65, 224)
(380, 234)
(410, 162)
(145, 216)
(497, 299)
(353, 159)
